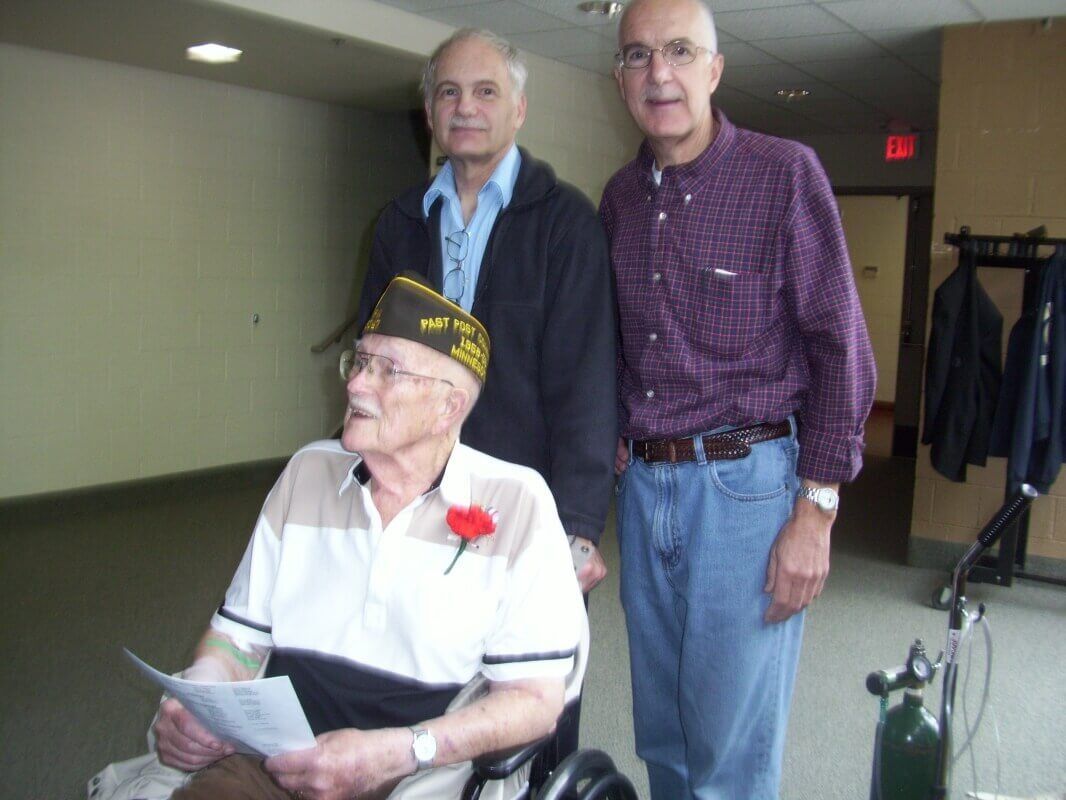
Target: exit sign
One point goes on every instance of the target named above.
(901, 147)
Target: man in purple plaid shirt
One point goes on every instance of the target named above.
(744, 378)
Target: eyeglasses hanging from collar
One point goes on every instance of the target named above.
(458, 245)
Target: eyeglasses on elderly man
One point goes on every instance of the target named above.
(676, 53)
(378, 367)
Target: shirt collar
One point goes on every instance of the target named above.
(694, 171)
(502, 180)
(357, 474)
(454, 482)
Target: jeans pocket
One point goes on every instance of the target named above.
(762, 475)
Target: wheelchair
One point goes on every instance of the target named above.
(585, 774)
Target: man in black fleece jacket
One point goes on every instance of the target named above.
(497, 233)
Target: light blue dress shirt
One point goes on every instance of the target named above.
(494, 196)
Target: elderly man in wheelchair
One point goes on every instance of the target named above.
(420, 595)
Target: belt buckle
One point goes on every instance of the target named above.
(671, 451)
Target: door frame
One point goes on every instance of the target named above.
(913, 326)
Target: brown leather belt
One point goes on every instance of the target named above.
(718, 446)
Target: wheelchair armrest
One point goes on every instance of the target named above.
(497, 766)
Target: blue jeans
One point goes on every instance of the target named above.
(712, 682)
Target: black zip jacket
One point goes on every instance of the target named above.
(544, 293)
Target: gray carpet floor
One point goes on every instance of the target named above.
(145, 569)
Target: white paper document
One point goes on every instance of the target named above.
(260, 717)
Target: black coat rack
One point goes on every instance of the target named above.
(1019, 251)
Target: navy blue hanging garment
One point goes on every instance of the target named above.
(1029, 428)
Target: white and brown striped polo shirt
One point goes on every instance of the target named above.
(363, 619)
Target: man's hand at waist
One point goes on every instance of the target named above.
(799, 558)
(589, 563)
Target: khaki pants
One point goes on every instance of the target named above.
(242, 777)
(237, 777)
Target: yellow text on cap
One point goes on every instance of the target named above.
(434, 324)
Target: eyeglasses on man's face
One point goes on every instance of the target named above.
(381, 368)
(458, 245)
(676, 54)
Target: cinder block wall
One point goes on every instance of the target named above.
(1001, 169)
(577, 122)
(144, 218)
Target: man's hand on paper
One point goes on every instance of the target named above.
(184, 743)
(345, 764)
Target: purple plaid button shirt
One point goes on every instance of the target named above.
(737, 302)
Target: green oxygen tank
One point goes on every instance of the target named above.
(908, 750)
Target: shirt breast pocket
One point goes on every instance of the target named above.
(737, 308)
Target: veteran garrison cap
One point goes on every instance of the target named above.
(410, 309)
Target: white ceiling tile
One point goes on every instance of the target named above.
(749, 5)
(868, 68)
(777, 75)
(419, 6)
(868, 122)
(823, 109)
(1019, 9)
(821, 48)
(610, 33)
(881, 92)
(732, 95)
(567, 10)
(600, 63)
(738, 54)
(778, 121)
(819, 93)
(778, 23)
(900, 114)
(926, 63)
(908, 40)
(872, 15)
(503, 17)
(863, 60)
(567, 42)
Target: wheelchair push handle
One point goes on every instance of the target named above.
(1007, 513)
(1010, 510)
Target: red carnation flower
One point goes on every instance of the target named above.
(469, 524)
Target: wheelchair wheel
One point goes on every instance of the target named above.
(587, 775)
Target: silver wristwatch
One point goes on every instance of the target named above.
(424, 748)
(825, 498)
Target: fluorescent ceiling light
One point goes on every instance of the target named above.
(212, 53)
(601, 7)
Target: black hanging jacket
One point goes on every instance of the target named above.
(962, 371)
